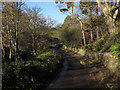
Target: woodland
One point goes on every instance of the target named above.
(29, 60)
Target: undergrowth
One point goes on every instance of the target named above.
(32, 74)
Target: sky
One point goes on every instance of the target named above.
(49, 9)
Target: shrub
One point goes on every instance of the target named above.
(32, 74)
(115, 49)
(89, 47)
(111, 40)
(72, 36)
(100, 44)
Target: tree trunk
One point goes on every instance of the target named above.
(33, 43)
(10, 52)
(97, 32)
(16, 43)
(3, 53)
(91, 35)
(110, 13)
(90, 21)
(16, 35)
(102, 34)
(111, 24)
(96, 11)
(84, 39)
(16, 32)
(83, 33)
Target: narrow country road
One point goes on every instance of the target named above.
(73, 74)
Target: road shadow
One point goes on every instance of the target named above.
(76, 75)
